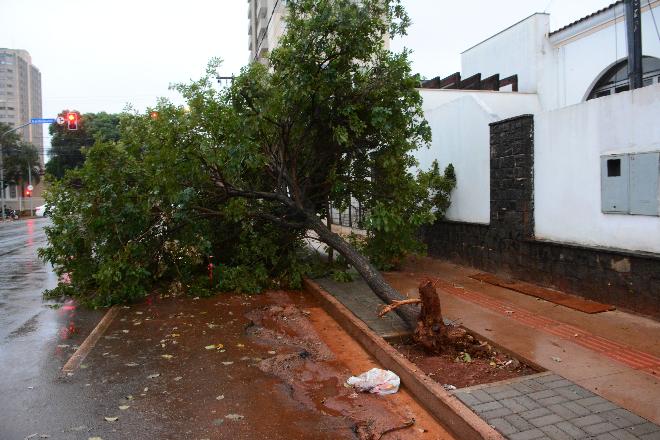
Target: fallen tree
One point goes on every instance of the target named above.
(244, 172)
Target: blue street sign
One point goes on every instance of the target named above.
(42, 121)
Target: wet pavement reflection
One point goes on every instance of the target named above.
(36, 336)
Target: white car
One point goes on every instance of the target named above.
(41, 211)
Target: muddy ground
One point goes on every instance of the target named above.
(271, 366)
(455, 369)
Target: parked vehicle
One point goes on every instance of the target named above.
(41, 211)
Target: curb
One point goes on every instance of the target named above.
(446, 408)
(90, 341)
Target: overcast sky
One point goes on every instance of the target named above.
(99, 55)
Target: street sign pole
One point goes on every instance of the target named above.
(30, 187)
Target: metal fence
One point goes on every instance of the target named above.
(353, 217)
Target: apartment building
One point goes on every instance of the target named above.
(20, 100)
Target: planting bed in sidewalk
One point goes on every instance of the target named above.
(461, 370)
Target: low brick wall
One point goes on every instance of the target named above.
(625, 279)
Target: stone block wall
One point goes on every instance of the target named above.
(629, 280)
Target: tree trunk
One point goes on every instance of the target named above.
(369, 273)
(431, 330)
(331, 256)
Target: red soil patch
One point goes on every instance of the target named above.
(452, 368)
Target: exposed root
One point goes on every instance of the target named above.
(431, 331)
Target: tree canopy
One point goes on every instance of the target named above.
(19, 158)
(246, 173)
(67, 145)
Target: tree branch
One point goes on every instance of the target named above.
(396, 304)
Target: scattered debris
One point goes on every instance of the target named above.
(124, 407)
(234, 417)
(556, 359)
(220, 397)
(111, 419)
(376, 381)
(131, 364)
(405, 425)
(178, 378)
(448, 387)
(228, 363)
(153, 376)
(166, 356)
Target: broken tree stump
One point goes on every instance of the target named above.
(431, 331)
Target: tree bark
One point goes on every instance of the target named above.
(369, 273)
(431, 330)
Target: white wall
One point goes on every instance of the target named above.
(575, 58)
(514, 51)
(461, 136)
(562, 67)
(567, 148)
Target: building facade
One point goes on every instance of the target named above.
(557, 161)
(21, 100)
(266, 26)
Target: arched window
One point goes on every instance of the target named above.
(615, 79)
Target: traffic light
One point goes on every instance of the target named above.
(28, 193)
(72, 120)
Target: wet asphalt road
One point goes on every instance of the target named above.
(36, 338)
(227, 367)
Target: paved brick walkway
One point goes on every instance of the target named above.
(548, 406)
(360, 300)
(632, 358)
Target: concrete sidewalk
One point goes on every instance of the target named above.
(609, 361)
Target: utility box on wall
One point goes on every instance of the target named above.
(614, 185)
(630, 183)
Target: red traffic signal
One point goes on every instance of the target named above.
(28, 193)
(72, 120)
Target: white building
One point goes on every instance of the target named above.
(557, 72)
(266, 26)
(594, 164)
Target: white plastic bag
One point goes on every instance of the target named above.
(376, 381)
